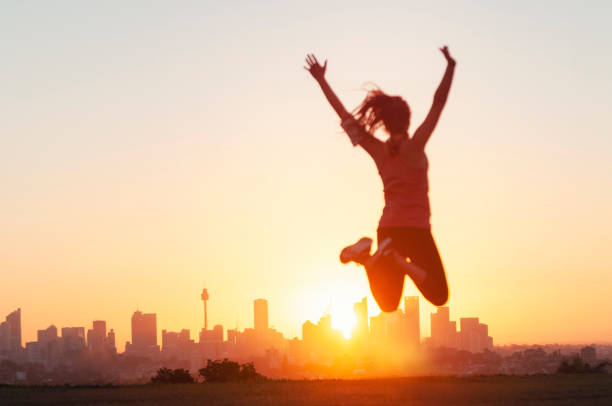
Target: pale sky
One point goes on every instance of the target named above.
(150, 149)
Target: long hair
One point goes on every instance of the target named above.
(379, 109)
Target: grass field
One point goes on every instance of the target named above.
(592, 389)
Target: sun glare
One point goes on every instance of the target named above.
(343, 319)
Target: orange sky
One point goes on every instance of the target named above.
(187, 147)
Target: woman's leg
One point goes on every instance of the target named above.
(386, 282)
(425, 265)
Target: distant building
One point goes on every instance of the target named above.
(211, 342)
(177, 344)
(49, 334)
(100, 343)
(212, 336)
(398, 327)
(260, 311)
(232, 335)
(413, 320)
(10, 334)
(361, 330)
(34, 352)
(443, 331)
(144, 329)
(473, 336)
(50, 347)
(321, 341)
(96, 337)
(144, 334)
(73, 340)
(110, 342)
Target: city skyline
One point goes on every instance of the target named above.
(387, 344)
(424, 328)
(393, 338)
(145, 331)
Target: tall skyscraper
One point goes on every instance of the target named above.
(361, 329)
(73, 339)
(413, 324)
(173, 342)
(474, 336)
(443, 331)
(144, 329)
(50, 345)
(10, 332)
(47, 335)
(260, 308)
(96, 337)
(110, 342)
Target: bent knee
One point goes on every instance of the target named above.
(438, 299)
(388, 305)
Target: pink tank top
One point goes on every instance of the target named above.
(406, 200)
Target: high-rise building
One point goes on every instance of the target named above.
(34, 352)
(443, 331)
(144, 329)
(144, 334)
(96, 337)
(469, 335)
(260, 308)
(473, 336)
(232, 335)
(110, 342)
(173, 342)
(73, 339)
(50, 346)
(4, 337)
(10, 333)
(413, 323)
(361, 329)
(49, 334)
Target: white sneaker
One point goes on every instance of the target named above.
(382, 250)
(358, 252)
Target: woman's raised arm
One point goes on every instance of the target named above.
(318, 73)
(422, 134)
(356, 133)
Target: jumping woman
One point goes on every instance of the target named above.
(405, 243)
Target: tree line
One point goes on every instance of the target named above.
(214, 371)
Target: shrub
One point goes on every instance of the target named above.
(577, 366)
(229, 371)
(166, 375)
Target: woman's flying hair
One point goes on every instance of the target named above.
(378, 108)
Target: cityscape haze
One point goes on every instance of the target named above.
(388, 344)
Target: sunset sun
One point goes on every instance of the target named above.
(343, 318)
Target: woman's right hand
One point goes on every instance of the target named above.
(316, 70)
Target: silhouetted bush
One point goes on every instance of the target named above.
(229, 371)
(166, 375)
(577, 366)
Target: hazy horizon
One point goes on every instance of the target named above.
(150, 150)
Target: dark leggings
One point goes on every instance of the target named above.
(418, 245)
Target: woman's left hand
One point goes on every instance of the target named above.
(446, 54)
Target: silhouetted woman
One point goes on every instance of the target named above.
(405, 243)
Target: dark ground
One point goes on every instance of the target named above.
(584, 389)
